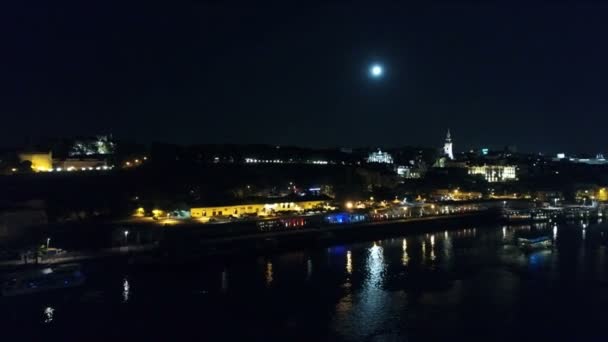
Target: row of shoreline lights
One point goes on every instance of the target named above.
(279, 161)
(72, 168)
(135, 162)
(90, 168)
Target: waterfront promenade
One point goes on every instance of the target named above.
(193, 243)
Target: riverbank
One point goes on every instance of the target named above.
(448, 275)
(181, 246)
(186, 245)
(69, 257)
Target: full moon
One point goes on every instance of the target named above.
(376, 70)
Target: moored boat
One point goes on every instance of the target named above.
(43, 279)
(534, 243)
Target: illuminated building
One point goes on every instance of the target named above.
(495, 173)
(102, 144)
(260, 209)
(380, 157)
(404, 171)
(592, 194)
(447, 146)
(602, 194)
(41, 161)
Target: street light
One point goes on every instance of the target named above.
(48, 242)
(126, 236)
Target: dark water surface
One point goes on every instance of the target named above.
(457, 284)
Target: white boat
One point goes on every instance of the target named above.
(530, 244)
(43, 279)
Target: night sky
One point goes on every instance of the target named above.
(211, 72)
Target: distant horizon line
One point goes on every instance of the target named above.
(491, 148)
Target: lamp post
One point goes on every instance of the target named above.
(48, 242)
(126, 236)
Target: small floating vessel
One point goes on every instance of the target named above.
(534, 243)
(43, 279)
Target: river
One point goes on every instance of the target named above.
(458, 283)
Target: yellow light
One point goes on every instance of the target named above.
(136, 160)
(349, 262)
(602, 195)
(14, 169)
(40, 161)
(349, 205)
(128, 163)
(157, 212)
(139, 212)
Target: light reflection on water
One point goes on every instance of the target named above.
(349, 262)
(370, 303)
(125, 290)
(224, 285)
(405, 258)
(308, 269)
(584, 232)
(555, 232)
(375, 266)
(372, 290)
(447, 246)
(48, 313)
(432, 256)
(269, 274)
(423, 250)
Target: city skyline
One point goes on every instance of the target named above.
(39, 144)
(303, 171)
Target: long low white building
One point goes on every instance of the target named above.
(495, 173)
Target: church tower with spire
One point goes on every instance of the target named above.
(447, 147)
